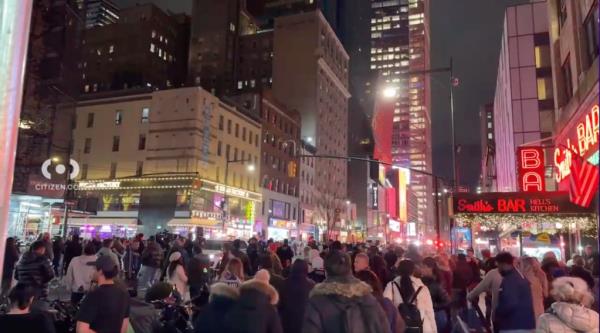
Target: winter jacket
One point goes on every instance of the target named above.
(285, 253)
(515, 306)
(446, 280)
(439, 296)
(211, 318)
(255, 310)
(11, 257)
(294, 297)
(491, 285)
(463, 276)
(152, 255)
(423, 302)
(277, 281)
(245, 261)
(72, 250)
(79, 274)
(584, 274)
(397, 324)
(568, 318)
(335, 307)
(35, 270)
(230, 279)
(537, 293)
(131, 261)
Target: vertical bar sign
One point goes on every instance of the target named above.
(531, 175)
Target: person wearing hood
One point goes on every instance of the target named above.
(403, 287)
(571, 310)
(397, 324)
(294, 297)
(342, 303)
(211, 318)
(35, 269)
(255, 310)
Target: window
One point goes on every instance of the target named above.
(231, 26)
(235, 151)
(90, 120)
(145, 115)
(113, 170)
(152, 48)
(490, 136)
(591, 34)
(221, 122)
(153, 33)
(227, 149)
(228, 126)
(139, 169)
(111, 49)
(87, 146)
(568, 79)
(116, 142)
(219, 144)
(544, 88)
(244, 133)
(250, 137)
(240, 85)
(142, 142)
(542, 56)
(86, 88)
(243, 156)
(237, 130)
(489, 125)
(118, 117)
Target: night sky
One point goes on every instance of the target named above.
(469, 31)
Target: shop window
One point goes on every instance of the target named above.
(591, 34)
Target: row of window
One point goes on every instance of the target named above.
(144, 117)
(162, 54)
(139, 170)
(116, 144)
(230, 157)
(252, 137)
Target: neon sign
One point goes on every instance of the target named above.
(583, 141)
(531, 169)
(514, 203)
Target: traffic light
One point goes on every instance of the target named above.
(292, 169)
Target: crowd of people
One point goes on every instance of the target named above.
(275, 287)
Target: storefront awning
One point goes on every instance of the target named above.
(102, 221)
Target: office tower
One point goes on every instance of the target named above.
(146, 48)
(524, 97)
(399, 46)
(266, 11)
(310, 74)
(214, 41)
(488, 148)
(99, 13)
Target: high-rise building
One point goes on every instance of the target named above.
(51, 88)
(488, 149)
(254, 70)
(214, 42)
(99, 13)
(574, 59)
(399, 46)
(310, 74)
(157, 58)
(524, 98)
(267, 10)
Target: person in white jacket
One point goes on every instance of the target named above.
(571, 312)
(176, 275)
(404, 286)
(79, 274)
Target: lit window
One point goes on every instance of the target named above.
(160, 38)
(489, 125)
(145, 115)
(490, 136)
(152, 47)
(166, 40)
(111, 49)
(159, 52)
(240, 85)
(252, 83)
(153, 33)
(95, 87)
(231, 26)
(86, 88)
(165, 55)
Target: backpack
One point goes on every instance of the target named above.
(410, 313)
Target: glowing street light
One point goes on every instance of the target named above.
(251, 167)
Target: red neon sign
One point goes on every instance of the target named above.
(531, 169)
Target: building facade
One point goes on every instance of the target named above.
(99, 13)
(157, 57)
(182, 155)
(488, 148)
(254, 70)
(399, 46)
(524, 98)
(310, 74)
(574, 61)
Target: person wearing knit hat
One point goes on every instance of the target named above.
(255, 310)
(342, 303)
(177, 276)
(571, 312)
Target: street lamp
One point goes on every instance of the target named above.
(225, 208)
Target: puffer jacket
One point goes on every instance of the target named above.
(336, 307)
(211, 318)
(35, 270)
(568, 318)
(255, 310)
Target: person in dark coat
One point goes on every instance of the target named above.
(266, 262)
(73, 248)
(462, 277)
(58, 248)
(198, 276)
(579, 270)
(285, 254)
(11, 256)
(211, 318)
(397, 324)
(252, 252)
(294, 297)
(35, 269)
(515, 305)
(431, 277)
(255, 310)
(342, 303)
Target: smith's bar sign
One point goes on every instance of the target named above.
(515, 203)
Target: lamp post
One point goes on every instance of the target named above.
(225, 206)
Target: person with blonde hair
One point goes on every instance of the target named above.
(233, 275)
(571, 310)
(531, 270)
